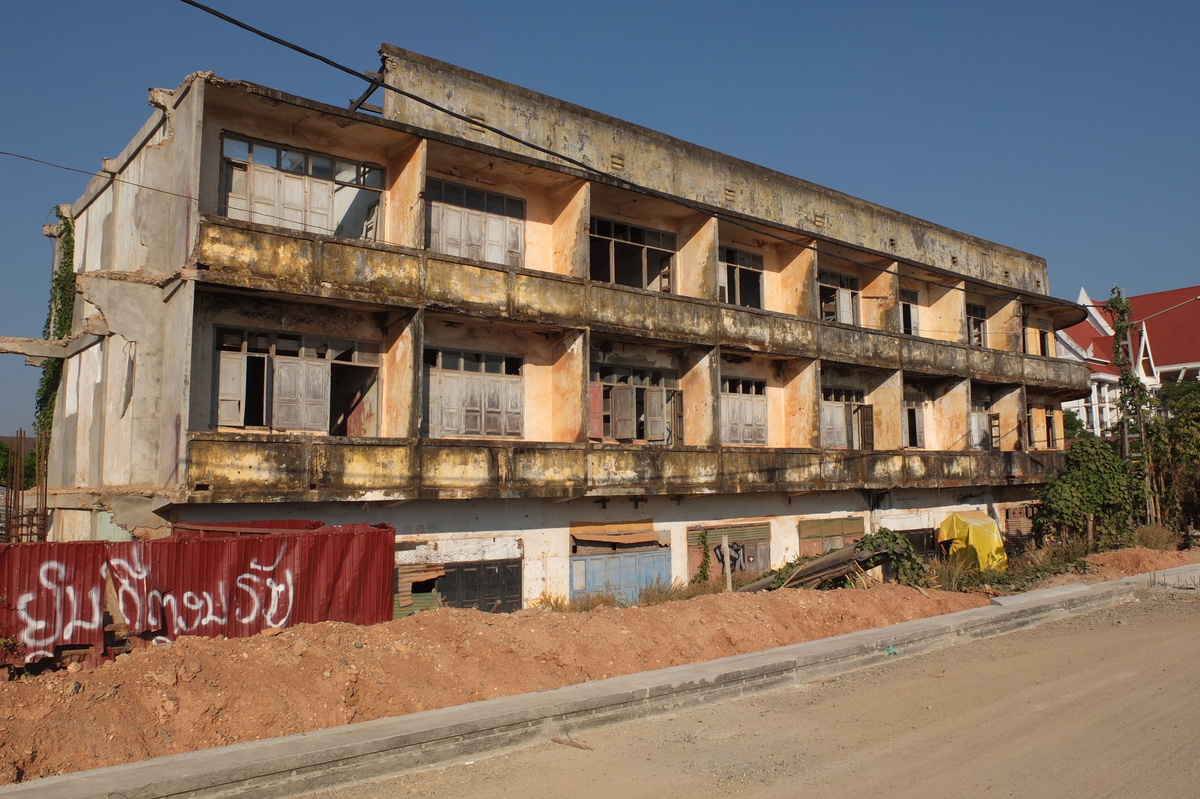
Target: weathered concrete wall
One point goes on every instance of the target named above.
(699, 175)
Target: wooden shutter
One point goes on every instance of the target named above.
(435, 228)
(320, 206)
(730, 428)
(596, 411)
(492, 388)
(452, 230)
(919, 420)
(866, 417)
(264, 196)
(495, 239)
(656, 414)
(758, 419)
(514, 406)
(845, 307)
(293, 191)
(993, 422)
(445, 401)
(833, 424)
(624, 410)
(287, 412)
(314, 396)
(231, 389)
(237, 191)
(472, 406)
(515, 241)
(474, 231)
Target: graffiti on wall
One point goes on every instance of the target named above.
(67, 594)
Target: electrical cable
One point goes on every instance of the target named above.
(380, 84)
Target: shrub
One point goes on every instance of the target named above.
(1155, 536)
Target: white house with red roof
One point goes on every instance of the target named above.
(1165, 340)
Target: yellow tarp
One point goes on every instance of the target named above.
(974, 539)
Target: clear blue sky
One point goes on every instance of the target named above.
(1067, 129)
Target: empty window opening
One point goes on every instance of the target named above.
(913, 420)
(473, 223)
(628, 255)
(741, 278)
(983, 425)
(634, 404)
(839, 297)
(976, 325)
(910, 301)
(275, 185)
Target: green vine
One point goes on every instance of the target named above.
(701, 575)
(1095, 482)
(891, 546)
(58, 323)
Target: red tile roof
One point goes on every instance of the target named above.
(1174, 334)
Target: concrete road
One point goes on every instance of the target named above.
(1106, 704)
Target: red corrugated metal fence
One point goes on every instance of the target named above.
(65, 594)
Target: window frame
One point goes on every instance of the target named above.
(847, 420)
(490, 405)
(305, 216)
(910, 304)
(487, 225)
(297, 385)
(744, 405)
(839, 296)
(647, 240)
(633, 404)
(739, 269)
(976, 315)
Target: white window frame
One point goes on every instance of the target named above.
(839, 297)
(743, 411)
(473, 394)
(273, 184)
(471, 222)
(632, 403)
(912, 422)
(847, 422)
(740, 277)
(296, 378)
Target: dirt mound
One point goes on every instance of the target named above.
(200, 692)
(1126, 562)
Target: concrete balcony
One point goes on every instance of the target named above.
(247, 467)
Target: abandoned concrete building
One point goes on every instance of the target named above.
(553, 363)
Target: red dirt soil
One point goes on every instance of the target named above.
(199, 692)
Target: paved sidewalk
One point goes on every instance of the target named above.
(289, 766)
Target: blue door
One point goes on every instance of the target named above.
(624, 574)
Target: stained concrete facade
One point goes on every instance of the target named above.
(299, 311)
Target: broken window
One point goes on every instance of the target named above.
(293, 382)
(976, 325)
(846, 421)
(839, 295)
(910, 301)
(741, 278)
(743, 411)
(634, 404)
(1045, 336)
(983, 428)
(473, 394)
(472, 223)
(913, 421)
(275, 185)
(629, 255)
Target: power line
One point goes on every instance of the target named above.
(381, 84)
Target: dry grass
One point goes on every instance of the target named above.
(1158, 537)
(580, 604)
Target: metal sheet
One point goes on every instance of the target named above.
(58, 593)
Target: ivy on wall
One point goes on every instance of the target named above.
(58, 323)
